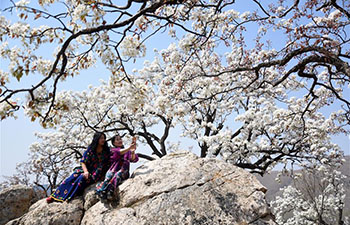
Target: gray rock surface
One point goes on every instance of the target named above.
(15, 201)
(55, 213)
(180, 188)
(184, 189)
(90, 198)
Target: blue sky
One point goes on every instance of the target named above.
(17, 135)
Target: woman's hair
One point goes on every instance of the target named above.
(114, 137)
(95, 140)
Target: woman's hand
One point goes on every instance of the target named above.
(133, 140)
(133, 148)
(133, 144)
(86, 175)
(86, 172)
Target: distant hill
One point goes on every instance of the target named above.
(273, 187)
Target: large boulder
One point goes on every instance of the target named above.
(180, 188)
(55, 213)
(15, 201)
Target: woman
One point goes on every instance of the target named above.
(94, 164)
(119, 170)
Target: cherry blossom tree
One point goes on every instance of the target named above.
(317, 197)
(236, 90)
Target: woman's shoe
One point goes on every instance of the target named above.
(49, 200)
